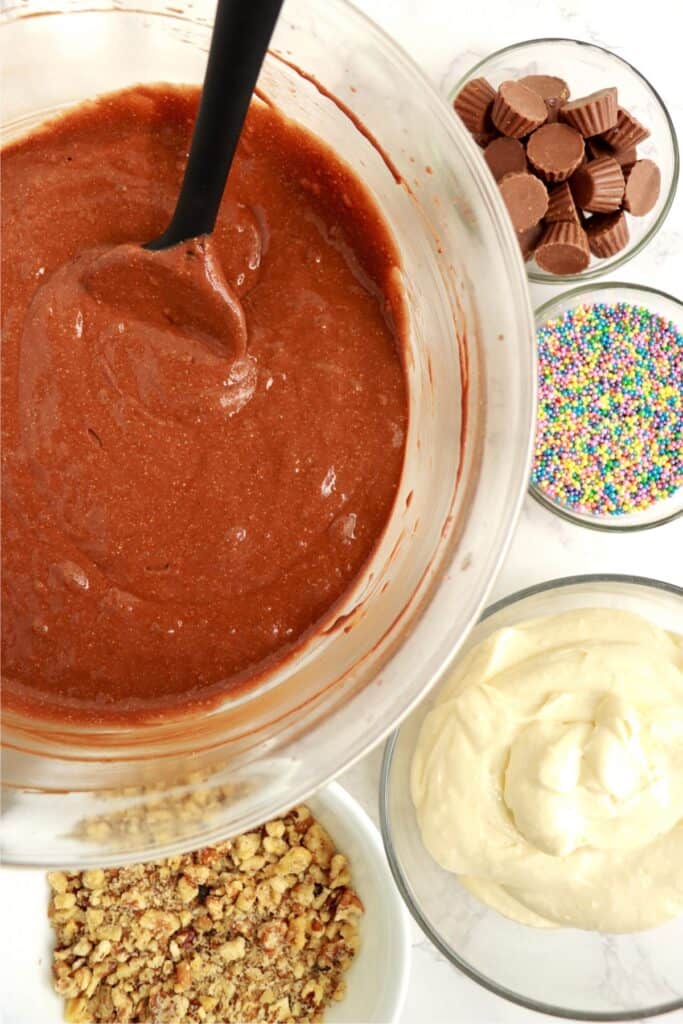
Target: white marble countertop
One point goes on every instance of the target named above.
(446, 39)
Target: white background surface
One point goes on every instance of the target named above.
(446, 38)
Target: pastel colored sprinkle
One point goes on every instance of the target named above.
(609, 435)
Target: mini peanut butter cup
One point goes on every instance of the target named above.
(561, 205)
(517, 110)
(504, 156)
(592, 115)
(553, 91)
(643, 183)
(563, 249)
(526, 198)
(607, 233)
(473, 104)
(555, 151)
(598, 186)
(628, 131)
(528, 240)
(598, 147)
(482, 139)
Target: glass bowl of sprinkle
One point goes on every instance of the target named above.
(609, 430)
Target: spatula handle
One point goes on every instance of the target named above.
(241, 34)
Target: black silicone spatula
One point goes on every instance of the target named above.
(241, 35)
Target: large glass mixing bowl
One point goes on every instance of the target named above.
(80, 796)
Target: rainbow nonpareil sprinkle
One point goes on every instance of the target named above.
(609, 436)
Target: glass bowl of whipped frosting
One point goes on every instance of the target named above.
(532, 807)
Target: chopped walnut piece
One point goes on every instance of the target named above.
(319, 843)
(233, 950)
(349, 906)
(339, 874)
(93, 879)
(58, 881)
(246, 846)
(260, 928)
(64, 900)
(183, 975)
(294, 861)
(275, 846)
(187, 890)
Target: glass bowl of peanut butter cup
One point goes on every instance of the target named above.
(142, 777)
(625, 125)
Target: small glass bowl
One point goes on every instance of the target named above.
(568, 973)
(587, 68)
(666, 306)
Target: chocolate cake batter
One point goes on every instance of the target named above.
(201, 448)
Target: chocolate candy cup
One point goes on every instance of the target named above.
(553, 91)
(528, 240)
(607, 233)
(526, 198)
(505, 156)
(598, 147)
(563, 249)
(555, 151)
(483, 138)
(561, 205)
(598, 186)
(628, 131)
(593, 114)
(517, 110)
(473, 103)
(643, 184)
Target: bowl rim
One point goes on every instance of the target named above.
(598, 269)
(342, 804)
(558, 583)
(585, 520)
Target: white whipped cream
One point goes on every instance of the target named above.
(549, 774)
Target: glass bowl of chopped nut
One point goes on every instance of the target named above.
(298, 919)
